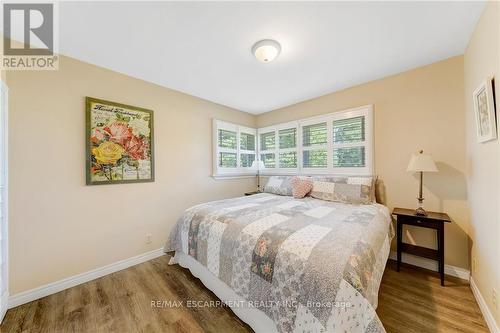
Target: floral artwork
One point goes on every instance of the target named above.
(484, 107)
(119, 143)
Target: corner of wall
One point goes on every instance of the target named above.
(482, 60)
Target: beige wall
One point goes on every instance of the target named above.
(482, 59)
(58, 226)
(419, 109)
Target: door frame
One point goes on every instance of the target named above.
(4, 121)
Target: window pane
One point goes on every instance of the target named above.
(314, 135)
(349, 157)
(247, 141)
(267, 141)
(227, 139)
(269, 160)
(288, 138)
(288, 160)
(349, 130)
(314, 158)
(227, 160)
(246, 160)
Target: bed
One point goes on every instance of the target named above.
(289, 265)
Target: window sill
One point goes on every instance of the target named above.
(236, 176)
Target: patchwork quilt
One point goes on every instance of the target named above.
(310, 265)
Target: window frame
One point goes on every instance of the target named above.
(277, 150)
(238, 171)
(369, 168)
(267, 151)
(325, 146)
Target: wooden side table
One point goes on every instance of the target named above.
(434, 221)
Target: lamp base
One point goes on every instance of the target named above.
(420, 211)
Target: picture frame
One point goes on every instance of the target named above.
(484, 110)
(119, 143)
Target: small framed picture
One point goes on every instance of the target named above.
(484, 107)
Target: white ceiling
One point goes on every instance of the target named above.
(203, 49)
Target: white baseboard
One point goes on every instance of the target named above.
(488, 316)
(4, 304)
(432, 265)
(57, 286)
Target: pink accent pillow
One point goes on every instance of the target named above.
(301, 187)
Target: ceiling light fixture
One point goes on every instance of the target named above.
(266, 50)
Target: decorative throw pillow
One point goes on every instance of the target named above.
(341, 192)
(281, 185)
(301, 186)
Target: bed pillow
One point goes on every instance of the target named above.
(367, 181)
(342, 192)
(355, 180)
(281, 185)
(301, 186)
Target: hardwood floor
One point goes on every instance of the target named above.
(414, 301)
(410, 301)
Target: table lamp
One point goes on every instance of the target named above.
(258, 165)
(421, 163)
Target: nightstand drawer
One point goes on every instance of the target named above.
(417, 221)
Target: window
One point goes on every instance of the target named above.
(267, 149)
(247, 149)
(235, 149)
(278, 148)
(227, 147)
(349, 130)
(336, 143)
(287, 148)
(314, 146)
(346, 133)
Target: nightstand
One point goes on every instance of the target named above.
(252, 193)
(434, 221)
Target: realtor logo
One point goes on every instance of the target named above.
(29, 36)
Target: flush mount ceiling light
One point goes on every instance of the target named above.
(266, 50)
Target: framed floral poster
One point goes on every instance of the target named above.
(484, 108)
(119, 143)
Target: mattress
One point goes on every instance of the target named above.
(289, 265)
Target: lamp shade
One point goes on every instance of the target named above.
(422, 162)
(258, 165)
